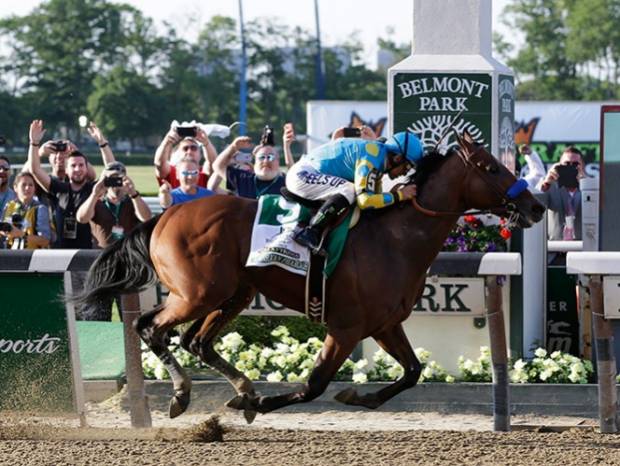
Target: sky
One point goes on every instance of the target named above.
(338, 18)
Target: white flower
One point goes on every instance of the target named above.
(360, 377)
(556, 354)
(279, 361)
(176, 341)
(427, 372)
(280, 331)
(253, 374)
(282, 348)
(449, 379)
(540, 352)
(468, 365)
(361, 364)
(520, 364)
(274, 377)
(232, 341)
(544, 375)
(292, 377)
(160, 372)
(394, 372)
(240, 366)
(267, 352)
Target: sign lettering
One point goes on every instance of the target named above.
(42, 345)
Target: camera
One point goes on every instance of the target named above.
(244, 155)
(59, 146)
(567, 176)
(17, 221)
(267, 138)
(113, 182)
(352, 132)
(187, 131)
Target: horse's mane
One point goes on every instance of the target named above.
(428, 165)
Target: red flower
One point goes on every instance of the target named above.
(470, 218)
(505, 233)
(502, 221)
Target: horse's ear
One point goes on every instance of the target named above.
(467, 137)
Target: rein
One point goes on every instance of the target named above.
(481, 170)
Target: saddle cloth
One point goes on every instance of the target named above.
(272, 237)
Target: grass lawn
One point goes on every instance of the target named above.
(142, 175)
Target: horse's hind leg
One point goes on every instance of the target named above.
(153, 327)
(336, 349)
(395, 342)
(199, 338)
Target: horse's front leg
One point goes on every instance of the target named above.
(395, 342)
(336, 348)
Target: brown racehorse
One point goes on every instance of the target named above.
(198, 250)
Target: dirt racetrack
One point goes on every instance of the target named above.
(330, 438)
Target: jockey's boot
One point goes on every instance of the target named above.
(327, 215)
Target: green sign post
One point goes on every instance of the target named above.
(36, 336)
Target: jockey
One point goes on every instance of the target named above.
(349, 169)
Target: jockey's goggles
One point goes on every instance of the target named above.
(267, 157)
(189, 172)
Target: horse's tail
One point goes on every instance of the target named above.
(125, 266)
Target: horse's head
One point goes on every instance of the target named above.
(489, 185)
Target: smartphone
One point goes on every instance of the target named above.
(113, 182)
(567, 176)
(289, 127)
(244, 156)
(352, 132)
(187, 131)
(60, 145)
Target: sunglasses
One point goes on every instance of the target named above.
(191, 147)
(4, 168)
(189, 173)
(267, 157)
(572, 164)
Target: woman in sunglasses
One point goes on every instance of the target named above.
(187, 173)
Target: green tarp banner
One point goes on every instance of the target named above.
(35, 352)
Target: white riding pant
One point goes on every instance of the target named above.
(306, 181)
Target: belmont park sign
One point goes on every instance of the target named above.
(426, 104)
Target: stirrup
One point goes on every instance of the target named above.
(310, 239)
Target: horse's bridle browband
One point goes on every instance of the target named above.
(481, 170)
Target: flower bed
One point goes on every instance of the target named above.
(472, 235)
(291, 361)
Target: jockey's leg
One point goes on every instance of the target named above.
(326, 217)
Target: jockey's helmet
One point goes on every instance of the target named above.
(405, 143)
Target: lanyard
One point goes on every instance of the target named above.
(115, 210)
(259, 193)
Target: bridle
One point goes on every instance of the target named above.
(483, 170)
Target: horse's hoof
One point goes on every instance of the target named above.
(347, 396)
(238, 402)
(178, 405)
(249, 416)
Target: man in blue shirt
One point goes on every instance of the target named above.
(187, 173)
(346, 170)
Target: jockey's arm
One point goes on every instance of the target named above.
(367, 183)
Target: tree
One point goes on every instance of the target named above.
(125, 105)
(59, 48)
(571, 48)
